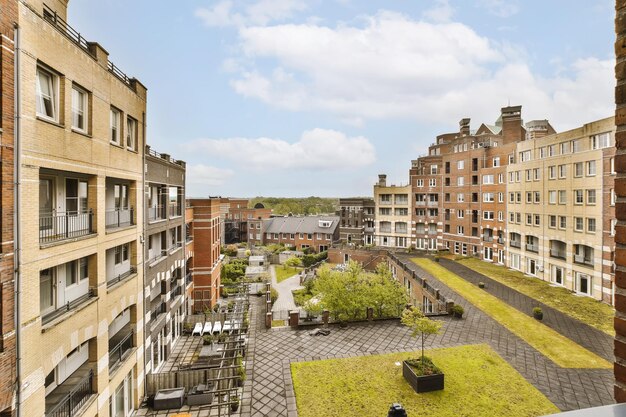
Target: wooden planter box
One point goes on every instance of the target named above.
(424, 383)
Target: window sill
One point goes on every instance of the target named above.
(117, 145)
(82, 133)
(131, 150)
(50, 121)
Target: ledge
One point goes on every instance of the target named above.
(53, 323)
(65, 241)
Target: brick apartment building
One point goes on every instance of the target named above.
(240, 221)
(164, 270)
(302, 232)
(206, 263)
(8, 19)
(82, 135)
(357, 220)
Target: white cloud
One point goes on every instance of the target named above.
(396, 67)
(207, 175)
(315, 149)
(440, 12)
(500, 8)
(262, 12)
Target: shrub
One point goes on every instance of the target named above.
(208, 339)
(457, 311)
(481, 285)
(311, 259)
(273, 295)
(537, 313)
(230, 250)
(423, 366)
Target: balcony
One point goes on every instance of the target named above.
(117, 218)
(158, 316)
(156, 213)
(68, 399)
(175, 247)
(557, 253)
(175, 210)
(487, 238)
(175, 291)
(432, 203)
(121, 277)
(531, 247)
(583, 260)
(501, 240)
(420, 203)
(515, 244)
(55, 227)
(157, 256)
(369, 230)
(120, 346)
(188, 278)
(70, 305)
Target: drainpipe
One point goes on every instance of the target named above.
(143, 254)
(16, 224)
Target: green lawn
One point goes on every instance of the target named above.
(278, 323)
(477, 383)
(283, 273)
(552, 344)
(585, 309)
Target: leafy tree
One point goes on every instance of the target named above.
(230, 250)
(292, 262)
(421, 325)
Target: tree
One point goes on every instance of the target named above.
(421, 325)
(292, 262)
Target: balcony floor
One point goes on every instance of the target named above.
(61, 392)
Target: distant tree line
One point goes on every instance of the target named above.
(298, 206)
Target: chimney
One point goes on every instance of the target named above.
(512, 125)
(464, 127)
(382, 180)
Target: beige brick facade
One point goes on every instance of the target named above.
(393, 207)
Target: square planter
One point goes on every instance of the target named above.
(422, 383)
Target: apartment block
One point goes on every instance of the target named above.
(561, 209)
(241, 222)
(206, 262)
(302, 232)
(8, 19)
(393, 206)
(357, 220)
(82, 133)
(164, 254)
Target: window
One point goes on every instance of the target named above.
(613, 196)
(460, 230)
(524, 156)
(578, 169)
(433, 169)
(529, 197)
(612, 164)
(518, 217)
(496, 161)
(500, 178)
(131, 133)
(511, 198)
(71, 273)
(460, 214)
(537, 220)
(488, 215)
(529, 175)
(460, 181)
(564, 148)
(47, 94)
(603, 140)
(613, 224)
(552, 197)
(537, 197)
(591, 168)
(500, 216)
(511, 177)
(552, 221)
(542, 153)
(529, 219)
(536, 174)
(578, 224)
(562, 222)
(460, 198)
(511, 159)
(487, 179)
(552, 172)
(115, 126)
(562, 197)
(488, 197)
(591, 225)
(562, 171)
(578, 197)
(500, 197)
(75, 196)
(518, 197)
(460, 165)
(591, 196)
(420, 183)
(80, 110)
(512, 217)
(551, 150)
(575, 146)
(432, 182)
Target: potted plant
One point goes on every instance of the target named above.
(421, 373)
(481, 284)
(234, 403)
(457, 311)
(207, 339)
(188, 328)
(436, 258)
(537, 313)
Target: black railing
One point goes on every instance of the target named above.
(156, 213)
(175, 246)
(75, 399)
(121, 277)
(488, 238)
(61, 226)
(116, 355)
(557, 253)
(46, 318)
(175, 210)
(71, 33)
(119, 73)
(188, 279)
(176, 291)
(119, 217)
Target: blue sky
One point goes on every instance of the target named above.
(299, 98)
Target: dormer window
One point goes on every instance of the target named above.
(325, 223)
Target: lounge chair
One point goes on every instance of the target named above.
(227, 327)
(217, 327)
(197, 330)
(207, 328)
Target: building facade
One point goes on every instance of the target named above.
(561, 206)
(164, 254)
(241, 222)
(207, 261)
(82, 134)
(302, 232)
(393, 206)
(357, 220)
(8, 19)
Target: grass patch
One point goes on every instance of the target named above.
(552, 344)
(278, 323)
(589, 311)
(477, 383)
(282, 273)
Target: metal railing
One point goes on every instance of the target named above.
(119, 217)
(501, 240)
(75, 399)
(515, 243)
(175, 246)
(175, 210)
(121, 277)
(176, 291)
(557, 253)
(46, 318)
(118, 73)
(156, 213)
(61, 226)
(159, 255)
(488, 238)
(188, 279)
(584, 260)
(116, 355)
(532, 247)
(71, 33)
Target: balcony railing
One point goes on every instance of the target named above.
(157, 256)
(156, 213)
(557, 253)
(176, 291)
(385, 230)
(501, 240)
(119, 218)
(121, 277)
(71, 403)
(118, 353)
(369, 230)
(61, 226)
(420, 203)
(71, 33)
(432, 203)
(515, 244)
(175, 246)
(532, 247)
(46, 318)
(188, 279)
(175, 210)
(584, 260)
(488, 238)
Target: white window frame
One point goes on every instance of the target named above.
(52, 84)
(115, 122)
(80, 98)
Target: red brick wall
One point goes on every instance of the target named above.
(368, 258)
(8, 16)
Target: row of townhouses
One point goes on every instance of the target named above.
(100, 248)
(514, 193)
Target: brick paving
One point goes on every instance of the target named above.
(269, 389)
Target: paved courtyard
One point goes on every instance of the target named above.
(269, 390)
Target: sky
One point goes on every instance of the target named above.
(296, 98)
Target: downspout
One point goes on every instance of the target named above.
(142, 240)
(16, 223)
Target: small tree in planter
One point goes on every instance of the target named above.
(234, 403)
(537, 313)
(457, 311)
(208, 339)
(421, 373)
